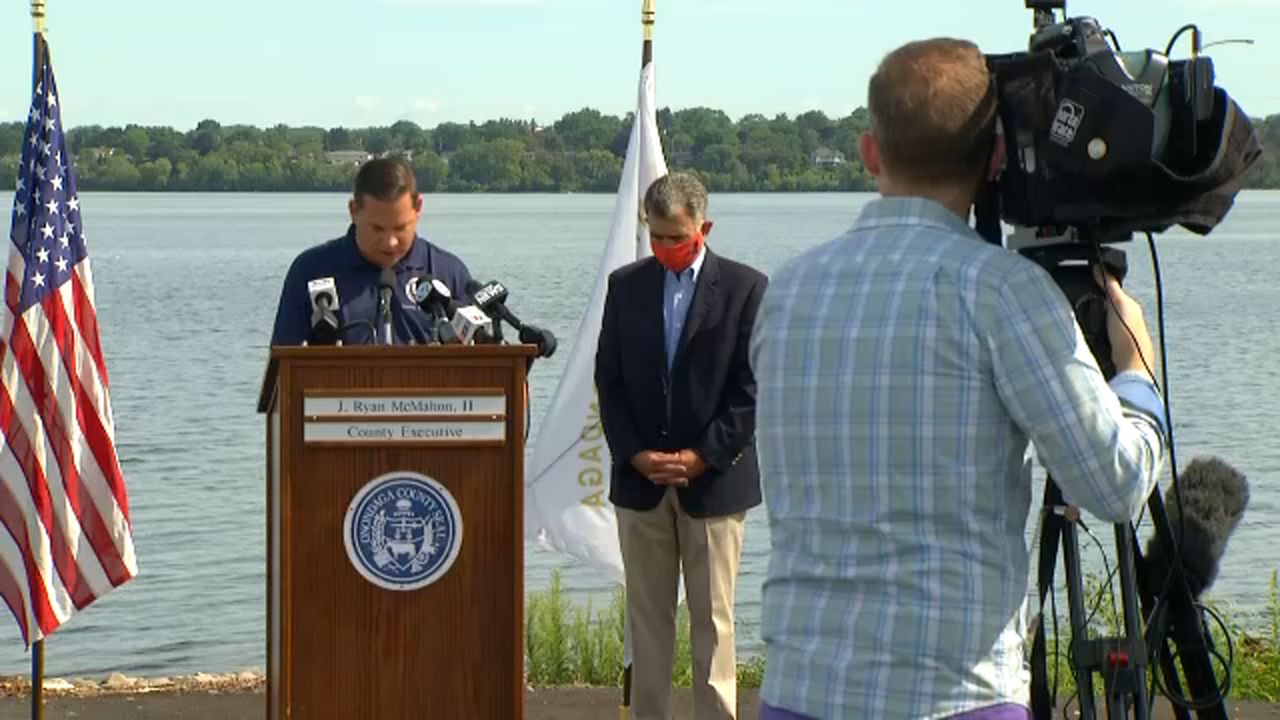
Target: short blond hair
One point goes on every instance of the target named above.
(933, 106)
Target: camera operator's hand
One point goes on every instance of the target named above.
(1126, 328)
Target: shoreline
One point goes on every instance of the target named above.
(240, 696)
(248, 680)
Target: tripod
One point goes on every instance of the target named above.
(1164, 599)
(1123, 661)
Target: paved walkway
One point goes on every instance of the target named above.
(551, 704)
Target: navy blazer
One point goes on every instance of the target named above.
(705, 402)
(357, 282)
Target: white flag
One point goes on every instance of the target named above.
(567, 489)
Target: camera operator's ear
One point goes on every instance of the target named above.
(999, 151)
(869, 148)
(999, 155)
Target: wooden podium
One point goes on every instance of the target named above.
(395, 539)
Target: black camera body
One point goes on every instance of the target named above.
(1101, 144)
(1111, 143)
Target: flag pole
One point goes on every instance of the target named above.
(647, 16)
(37, 649)
(646, 19)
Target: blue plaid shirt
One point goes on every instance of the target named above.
(903, 369)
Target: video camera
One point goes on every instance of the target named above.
(1108, 143)
(1100, 144)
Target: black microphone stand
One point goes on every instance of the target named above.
(386, 282)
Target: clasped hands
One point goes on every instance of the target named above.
(669, 468)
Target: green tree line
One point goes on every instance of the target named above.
(580, 152)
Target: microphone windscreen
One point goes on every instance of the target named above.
(1213, 497)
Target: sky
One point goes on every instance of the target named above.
(356, 63)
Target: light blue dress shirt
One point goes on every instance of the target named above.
(677, 295)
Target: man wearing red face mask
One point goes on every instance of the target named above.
(677, 401)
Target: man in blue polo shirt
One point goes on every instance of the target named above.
(385, 208)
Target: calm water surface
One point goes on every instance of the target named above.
(187, 289)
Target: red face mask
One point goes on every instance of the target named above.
(679, 257)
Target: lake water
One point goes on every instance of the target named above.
(187, 288)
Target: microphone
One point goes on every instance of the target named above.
(326, 324)
(435, 299)
(386, 285)
(1214, 496)
(545, 341)
(491, 297)
(471, 325)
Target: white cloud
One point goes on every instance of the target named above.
(366, 102)
(427, 105)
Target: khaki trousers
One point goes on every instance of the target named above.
(655, 543)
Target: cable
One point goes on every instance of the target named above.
(1057, 641)
(1075, 696)
(1108, 584)
(1220, 692)
(1195, 39)
(1157, 622)
(528, 410)
(1176, 553)
(1159, 631)
(1115, 40)
(356, 323)
(1164, 374)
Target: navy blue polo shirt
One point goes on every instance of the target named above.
(357, 282)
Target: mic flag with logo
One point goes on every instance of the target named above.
(67, 537)
(566, 492)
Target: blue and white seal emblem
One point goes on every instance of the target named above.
(403, 531)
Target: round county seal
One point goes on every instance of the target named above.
(403, 531)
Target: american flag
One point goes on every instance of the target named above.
(67, 539)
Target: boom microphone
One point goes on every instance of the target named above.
(1214, 496)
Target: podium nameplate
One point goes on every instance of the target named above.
(400, 432)
(491, 404)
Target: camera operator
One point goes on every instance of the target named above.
(903, 369)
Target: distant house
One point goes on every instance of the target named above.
(102, 153)
(827, 157)
(406, 155)
(347, 157)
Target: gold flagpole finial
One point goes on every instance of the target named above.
(646, 19)
(37, 15)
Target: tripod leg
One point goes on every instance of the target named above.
(1132, 620)
(1079, 620)
(1185, 627)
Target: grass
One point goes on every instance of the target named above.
(569, 645)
